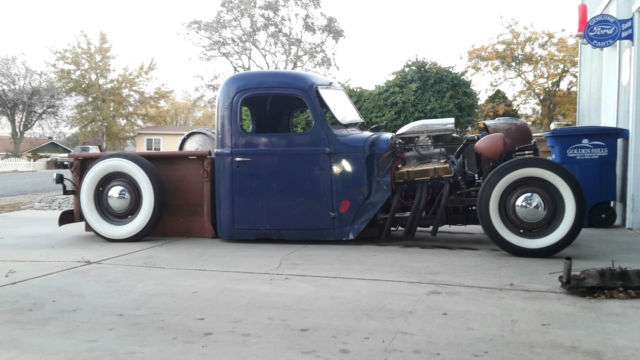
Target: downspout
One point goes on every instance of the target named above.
(633, 169)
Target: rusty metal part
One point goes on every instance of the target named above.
(386, 231)
(491, 146)
(462, 207)
(440, 215)
(609, 278)
(419, 204)
(66, 217)
(516, 132)
(188, 178)
(147, 155)
(423, 171)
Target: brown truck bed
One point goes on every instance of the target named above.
(188, 179)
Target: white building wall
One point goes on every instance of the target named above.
(590, 87)
(607, 87)
(633, 171)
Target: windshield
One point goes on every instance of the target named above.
(340, 105)
(85, 148)
(81, 149)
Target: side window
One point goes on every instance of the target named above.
(275, 114)
(153, 144)
(302, 121)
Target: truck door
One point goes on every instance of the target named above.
(280, 170)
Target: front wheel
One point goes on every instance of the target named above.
(122, 197)
(531, 207)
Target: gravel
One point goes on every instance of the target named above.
(51, 201)
(46, 201)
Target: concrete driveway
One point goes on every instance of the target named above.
(67, 294)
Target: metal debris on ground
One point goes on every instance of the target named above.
(603, 283)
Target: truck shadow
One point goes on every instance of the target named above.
(445, 240)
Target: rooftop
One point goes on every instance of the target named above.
(28, 144)
(167, 129)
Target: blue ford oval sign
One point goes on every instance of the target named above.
(602, 31)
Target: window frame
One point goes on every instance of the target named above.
(153, 138)
(275, 93)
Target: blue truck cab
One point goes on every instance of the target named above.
(290, 161)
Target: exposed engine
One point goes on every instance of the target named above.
(435, 184)
(423, 157)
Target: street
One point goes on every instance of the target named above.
(32, 182)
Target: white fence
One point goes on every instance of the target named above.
(17, 164)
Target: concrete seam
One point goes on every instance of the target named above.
(86, 263)
(408, 282)
(42, 261)
(406, 320)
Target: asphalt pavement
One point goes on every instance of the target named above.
(68, 294)
(29, 182)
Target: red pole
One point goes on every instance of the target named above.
(582, 17)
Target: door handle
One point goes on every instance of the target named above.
(240, 159)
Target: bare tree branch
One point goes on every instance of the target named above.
(270, 34)
(27, 97)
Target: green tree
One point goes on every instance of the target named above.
(27, 97)
(109, 104)
(566, 107)
(270, 34)
(497, 105)
(420, 90)
(189, 111)
(368, 103)
(542, 64)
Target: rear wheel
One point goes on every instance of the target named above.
(531, 207)
(602, 215)
(122, 197)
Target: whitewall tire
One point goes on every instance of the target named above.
(122, 197)
(531, 207)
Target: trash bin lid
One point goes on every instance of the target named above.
(588, 130)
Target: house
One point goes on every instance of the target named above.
(161, 138)
(33, 146)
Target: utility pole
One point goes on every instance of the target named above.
(104, 136)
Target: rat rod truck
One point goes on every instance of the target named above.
(288, 161)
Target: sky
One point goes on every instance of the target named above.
(380, 36)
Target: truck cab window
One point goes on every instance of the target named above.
(275, 114)
(245, 119)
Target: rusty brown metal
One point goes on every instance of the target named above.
(188, 179)
(599, 279)
(147, 155)
(491, 146)
(66, 217)
(516, 132)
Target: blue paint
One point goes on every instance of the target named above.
(290, 185)
(604, 30)
(626, 29)
(590, 153)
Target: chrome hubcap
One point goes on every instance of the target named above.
(530, 207)
(118, 198)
